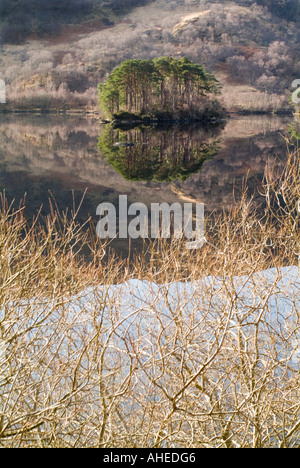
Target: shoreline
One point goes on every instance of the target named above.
(70, 112)
(97, 114)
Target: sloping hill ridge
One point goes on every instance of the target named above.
(253, 49)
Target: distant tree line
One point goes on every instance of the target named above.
(125, 4)
(20, 18)
(164, 84)
(288, 9)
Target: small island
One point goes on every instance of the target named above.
(162, 89)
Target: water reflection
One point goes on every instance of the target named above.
(161, 154)
(294, 127)
(38, 153)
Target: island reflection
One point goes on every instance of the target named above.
(161, 153)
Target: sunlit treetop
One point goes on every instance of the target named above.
(164, 84)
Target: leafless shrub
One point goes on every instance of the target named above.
(38, 58)
(202, 353)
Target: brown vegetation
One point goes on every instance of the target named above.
(79, 367)
(250, 43)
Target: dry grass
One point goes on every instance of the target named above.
(240, 98)
(84, 366)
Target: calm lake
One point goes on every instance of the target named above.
(64, 156)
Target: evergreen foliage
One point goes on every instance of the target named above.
(161, 155)
(150, 88)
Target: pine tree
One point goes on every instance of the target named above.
(156, 86)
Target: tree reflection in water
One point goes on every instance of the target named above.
(161, 154)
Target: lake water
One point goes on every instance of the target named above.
(65, 156)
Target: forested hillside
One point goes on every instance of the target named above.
(287, 9)
(20, 18)
(55, 52)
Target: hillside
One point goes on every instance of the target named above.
(252, 48)
(22, 18)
